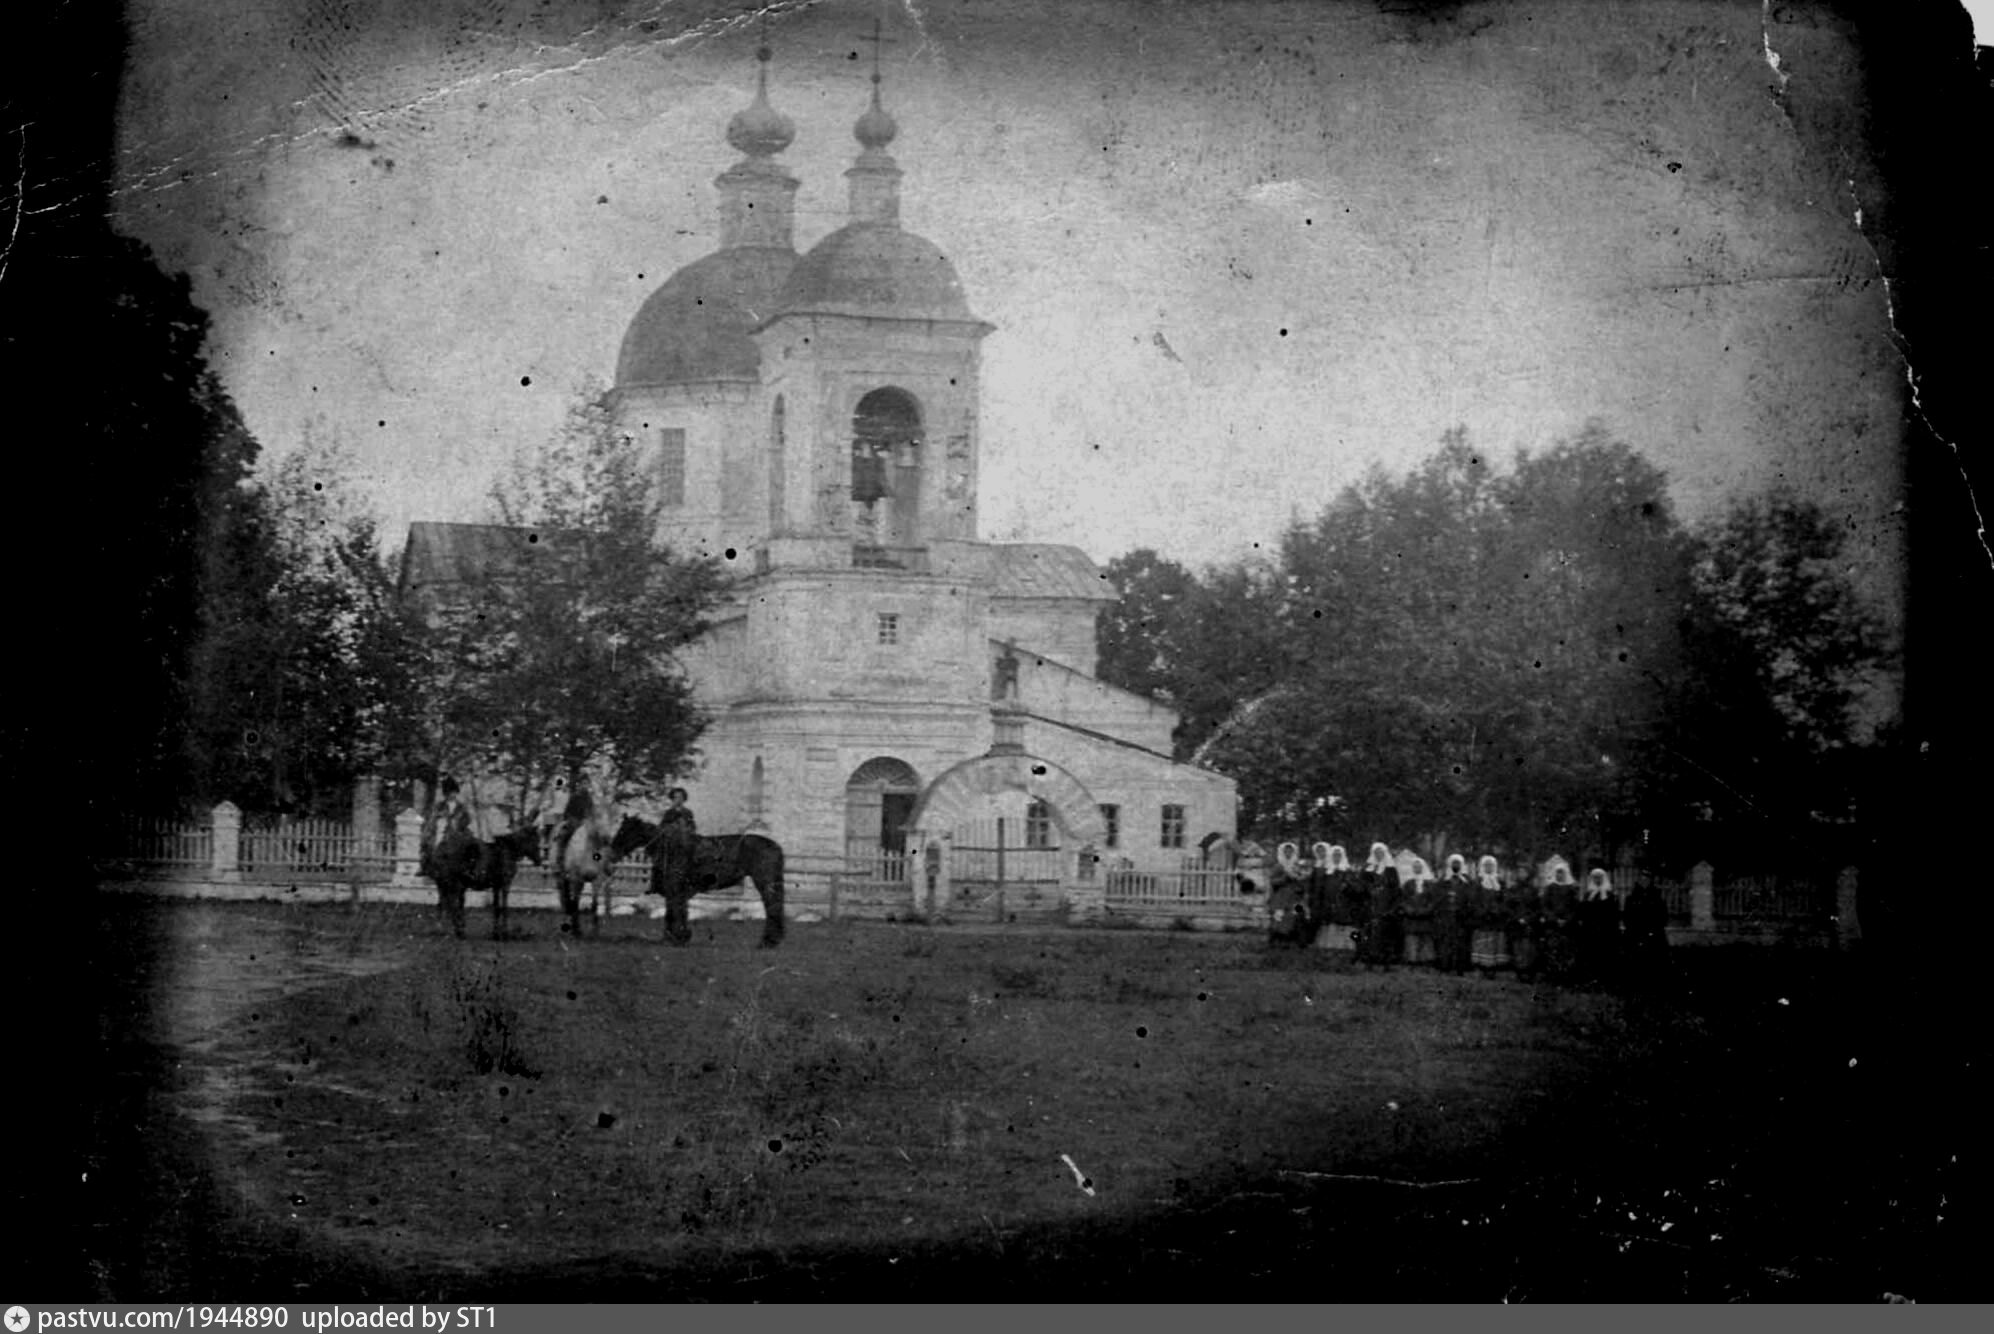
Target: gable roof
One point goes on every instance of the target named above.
(1048, 570)
(455, 553)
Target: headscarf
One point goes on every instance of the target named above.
(1290, 858)
(1553, 869)
(1457, 867)
(1598, 886)
(1420, 874)
(1339, 860)
(1381, 857)
(1490, 872)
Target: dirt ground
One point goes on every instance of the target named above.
(291, 1102)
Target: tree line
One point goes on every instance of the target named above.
(1522, 659)
(275, 658)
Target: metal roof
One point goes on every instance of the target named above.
(1047, 570)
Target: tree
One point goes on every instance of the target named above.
(1768, 728)
(1201, 644)
(565, 662)
(1470, 655)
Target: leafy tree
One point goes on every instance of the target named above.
(157, 453)
(1201, 644)
(565, 662)
(306, 668)
(1141, 638)
(1768, 731)
(1470, 655)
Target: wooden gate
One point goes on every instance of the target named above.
(1006, 870)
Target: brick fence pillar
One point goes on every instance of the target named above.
(226, 866)
(1087, 893)
(1702, 897)
(408, 849)
(1847, 927)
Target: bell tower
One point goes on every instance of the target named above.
(871, 365)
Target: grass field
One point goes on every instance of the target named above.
(349, 1103)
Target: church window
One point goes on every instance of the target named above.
(1111, 816)
(889, 627)
(1173, 827)
(671, 467)
(1038, 825)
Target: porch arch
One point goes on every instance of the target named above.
(954, 797)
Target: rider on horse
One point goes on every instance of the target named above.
(449, 815)
(578, 811)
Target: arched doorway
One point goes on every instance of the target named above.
(879, 800)
(1017, 834)
(886, 467)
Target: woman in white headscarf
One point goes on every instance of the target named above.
(1454, 917)
(1383, 940)
(1492, 917)
(1417, 906)
(1288, 920)
(1334, 877)
(1557, 913)
(1596, 928)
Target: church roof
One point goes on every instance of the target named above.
(1048, 570)
(874, 269)
(694, 328)
(456, 553)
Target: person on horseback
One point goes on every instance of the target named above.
(449, 815)
(580, 807)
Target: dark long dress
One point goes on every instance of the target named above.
(1288, 921)
(1557, 907)
(1645, 944)
(1521, 910)
(1417, 908)
(1351, 905)
(1384, 938)
(1453, 924)
(1336, 931)
(1596, 935)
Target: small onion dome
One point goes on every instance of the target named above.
(875, 129)
(760, 130)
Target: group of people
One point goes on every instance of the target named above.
(1383, 915)
(452, 814)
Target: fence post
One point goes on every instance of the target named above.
(408, 849)
(366, 819)
(227, 824)
(1702, 898)
(1847, 928)
(1087, 894)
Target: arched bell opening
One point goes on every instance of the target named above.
(887, 464)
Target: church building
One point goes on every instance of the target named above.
(882, 683)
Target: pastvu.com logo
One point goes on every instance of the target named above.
(17, 1319)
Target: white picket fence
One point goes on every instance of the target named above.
(1195, 887)
(313, 847)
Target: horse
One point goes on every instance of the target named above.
(588, 857)
(461, 862)
(684, 864)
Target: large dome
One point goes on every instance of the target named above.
(869, 268)
(694, 328)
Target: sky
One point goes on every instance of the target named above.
(1237, 253)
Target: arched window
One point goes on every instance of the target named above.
(886, 438)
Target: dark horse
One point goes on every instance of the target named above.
(684, 864)
(460, 862)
